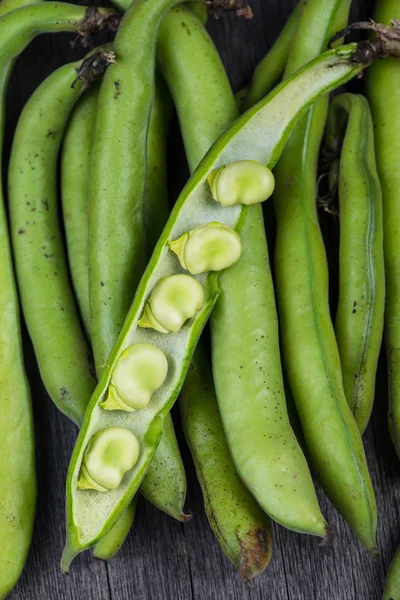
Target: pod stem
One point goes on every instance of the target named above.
(95, 22)
(93, 67)
(386, 42)
(240, 7)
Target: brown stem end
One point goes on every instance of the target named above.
(94, 22)
(93, 67)
(385, 43)
(240, 7)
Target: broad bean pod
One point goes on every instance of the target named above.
(75, 167)
(241, 527)
(176, 47)
(117, 232)
(47, 298)
(234, 379)
(165, 482)
(359, 317)
(18, 465)
(44, 281)
(246, 364)
(383, 91)
(156, 204)
(269, 70)
(186, 54)
(17, 29)
(333, 440)
(17, 476)
(194, 207)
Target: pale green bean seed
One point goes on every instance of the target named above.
(211, 247)
(110, 454)
(241, 182)
(173, 301)
(140, 371)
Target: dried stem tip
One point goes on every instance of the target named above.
(386, 42)
(94, 22)
(93, 67)
(240, 7)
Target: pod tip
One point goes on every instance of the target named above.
(68, 556)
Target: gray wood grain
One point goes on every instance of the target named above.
(162, 559)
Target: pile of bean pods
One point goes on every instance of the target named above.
(128, 277)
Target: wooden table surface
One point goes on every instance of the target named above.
(163, 559)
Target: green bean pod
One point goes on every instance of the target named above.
(195, 206)
(48, 302)
(75, 165)
(18, 480)
(247, 358)
(165, 482)
(17, 453)
(43, 276)
(359, 318)
(37, 234)
(241, 527)
(269, 70)
(392, 585)
(17, 29)
(156, 206)
(117, 240)
(180, 35)
(186, 53)
(331, 433)
(383, 85)
(270, 460)
(174, 60)
(116, 250)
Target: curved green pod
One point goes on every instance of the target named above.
(392, 585)
(383, 91)
(17, 29)
(333, 440)
(359, 317)
(156, 203)
(194, 207)
(246, 365)
(239, 524)
(48, 302)
(75, 164)
(174, 40)
(47, 298)
(272, 66)
(241, 527)
(17, 453)
(17, 478)
(165, 482)
(117, 255)
(233, 382)
(55, 98)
